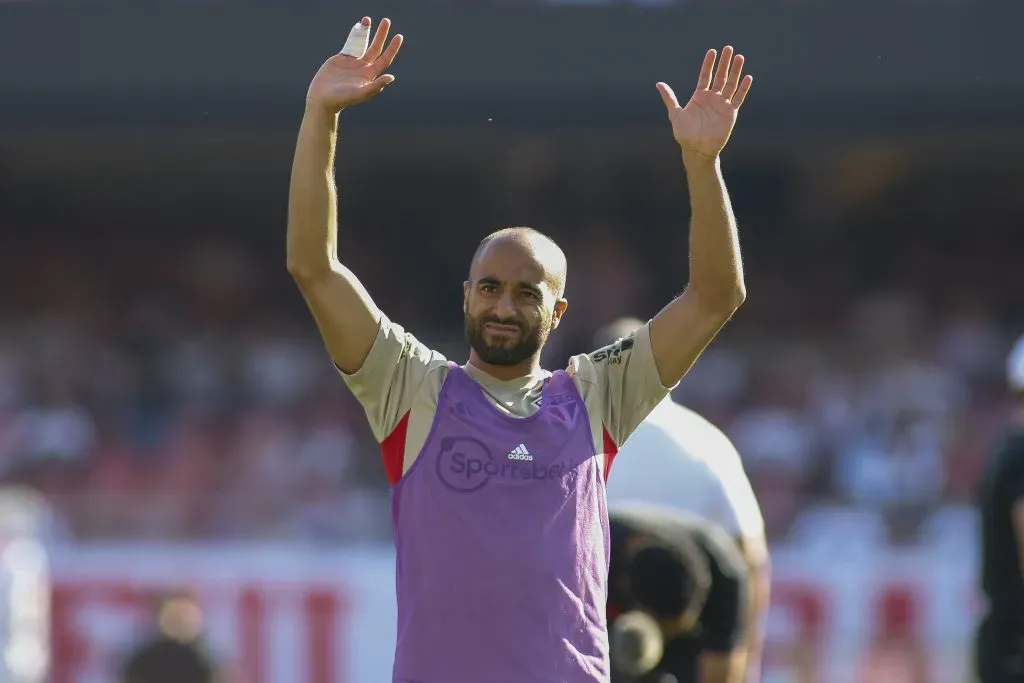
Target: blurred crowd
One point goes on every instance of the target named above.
(180, 391)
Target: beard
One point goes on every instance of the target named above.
(505, 352)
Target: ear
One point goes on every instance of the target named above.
(559, 311)
(465, 296)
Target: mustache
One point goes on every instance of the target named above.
(499, 321)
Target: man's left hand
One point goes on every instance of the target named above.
(704, 125)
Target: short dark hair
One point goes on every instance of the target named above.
(670, 580)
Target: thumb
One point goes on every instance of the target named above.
(667, 96)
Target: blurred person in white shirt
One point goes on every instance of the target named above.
(678, 459)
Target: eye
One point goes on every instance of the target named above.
(488, 287)
(531, 296)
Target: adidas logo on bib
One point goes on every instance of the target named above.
(520, 453)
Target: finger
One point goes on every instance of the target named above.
(667, 96)
(373, 88)
(358, 37)
(377, 46)
(733, 81)
(704, 80)
(722, 74)
(384, 61)
(741, 92)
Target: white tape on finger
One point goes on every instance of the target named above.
(358, 41)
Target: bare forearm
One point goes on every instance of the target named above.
(716, 271)
(722, 667)
(312, 200)
(760, 595)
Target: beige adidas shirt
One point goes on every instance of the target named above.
(400, 381)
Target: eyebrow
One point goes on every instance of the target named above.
(522, 285)
(531, 288)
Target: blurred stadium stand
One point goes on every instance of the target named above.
(156, 357)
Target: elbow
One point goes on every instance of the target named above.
(299, 271)
(723, 301)
(304, 271)
(729, 297)
(719, 294)
(737, 296)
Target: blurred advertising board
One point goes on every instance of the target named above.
(282, 614)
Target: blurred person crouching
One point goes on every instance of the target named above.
(677, 598)
(176, 651)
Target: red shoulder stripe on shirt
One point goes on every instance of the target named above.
(613, 610)
(392, 450)
(610, 451)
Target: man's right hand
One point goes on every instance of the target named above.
(344, 80)
(347, 317)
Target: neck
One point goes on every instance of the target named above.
(506, 372)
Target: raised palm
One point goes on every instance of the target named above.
(355, 74)
(704, 125)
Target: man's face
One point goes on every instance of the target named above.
(510, 307)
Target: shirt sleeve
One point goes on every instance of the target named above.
(724, 619)
(623, 381)
(390, 377)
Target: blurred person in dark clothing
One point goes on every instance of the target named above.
(175, 653)
(677, 602)
(999, 645)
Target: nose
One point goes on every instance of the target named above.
(504, 308)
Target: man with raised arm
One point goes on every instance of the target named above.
(498, 466)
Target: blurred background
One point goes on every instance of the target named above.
(164, 392)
